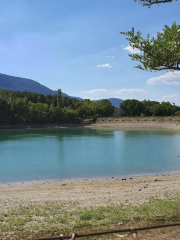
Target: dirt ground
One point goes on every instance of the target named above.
(128, 123)
(90, 192)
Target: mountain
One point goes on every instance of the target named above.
(24, 84)
(114, 101)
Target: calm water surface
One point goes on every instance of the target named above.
(44, 154)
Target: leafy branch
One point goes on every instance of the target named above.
(149, 3)
(156, 54)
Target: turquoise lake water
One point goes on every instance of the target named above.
(46, 154)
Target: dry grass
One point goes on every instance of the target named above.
(46, 220)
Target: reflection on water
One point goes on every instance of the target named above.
(40, 154)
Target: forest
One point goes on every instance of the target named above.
(32, 108)
(133, 108)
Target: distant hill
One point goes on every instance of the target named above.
(114, 101)
(24, 84)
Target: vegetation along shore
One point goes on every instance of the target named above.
(27, 108)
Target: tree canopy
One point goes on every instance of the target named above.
(160, 53)
(134, 108)
(28, 107)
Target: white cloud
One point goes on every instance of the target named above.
(130, 91)
(110, 56)
(173, 98)
(106, 65)
(167, 79)
(132, 50)
(124, 93)
(90, 98)
(96, 91)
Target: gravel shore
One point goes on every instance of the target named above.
(90, 192)
(133, 123)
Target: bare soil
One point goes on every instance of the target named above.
(90, 192)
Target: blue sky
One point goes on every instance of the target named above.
(75, 45)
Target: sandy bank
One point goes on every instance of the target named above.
(170, 123)
(133, 126)
(90, 192)
(120, 123)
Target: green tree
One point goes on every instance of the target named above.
(5, 112)
(38, 112)
(21, 109)
(41, 98)
(85, 109)
(149, 107)
(132, 107)
(69, 115)
(106, 108)
(156, 53)
(160, 53)
(59, 104)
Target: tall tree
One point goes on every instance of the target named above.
(59, 103)
(132, 107)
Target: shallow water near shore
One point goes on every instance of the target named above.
(47, 154)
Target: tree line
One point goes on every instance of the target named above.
(133, 107)
(32, 108)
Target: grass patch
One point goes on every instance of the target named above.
(54, 219)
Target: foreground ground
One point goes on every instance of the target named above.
(41, 209)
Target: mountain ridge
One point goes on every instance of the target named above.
(114, 101)
(24, 84)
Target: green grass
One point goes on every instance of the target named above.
(54, 219)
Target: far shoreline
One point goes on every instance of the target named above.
(108, 123)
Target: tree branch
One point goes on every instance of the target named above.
(156, 54)
(166, 68)
(163, 1)
(149, 3)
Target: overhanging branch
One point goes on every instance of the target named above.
(150, 3)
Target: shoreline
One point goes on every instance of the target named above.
(90, 178)
(126, 123)
(97, 192)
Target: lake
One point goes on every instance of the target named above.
(47, 154)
